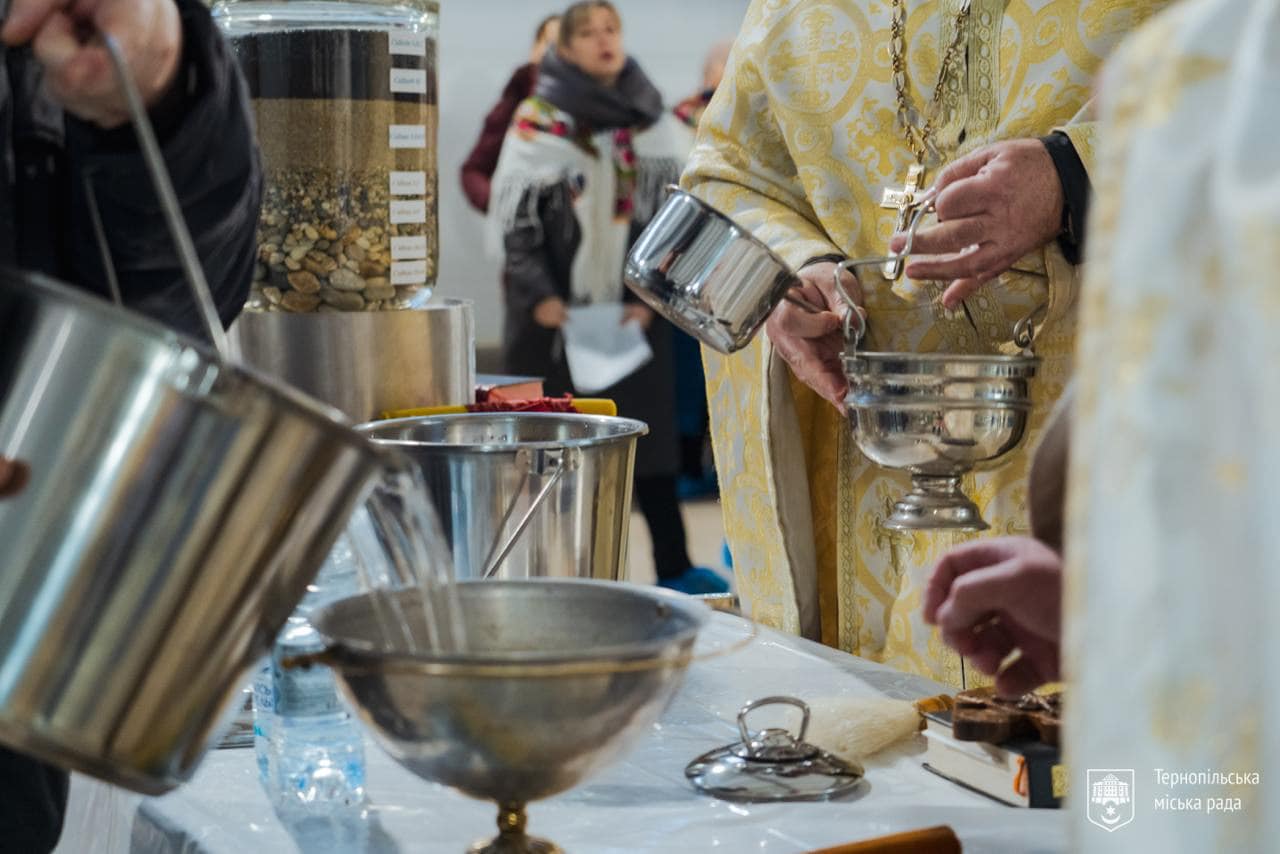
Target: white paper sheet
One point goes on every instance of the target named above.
(600, 349)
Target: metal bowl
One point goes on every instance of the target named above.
(938, 416)
(706, 274)
(561, 678)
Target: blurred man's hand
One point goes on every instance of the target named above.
(78, 69)
(990, 598)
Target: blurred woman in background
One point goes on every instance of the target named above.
(583, 168)
(477, 171)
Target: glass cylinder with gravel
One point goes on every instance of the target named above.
(345, 99)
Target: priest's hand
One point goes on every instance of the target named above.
(992, 597)
(994, 206)
(813, 344)
(78, 70)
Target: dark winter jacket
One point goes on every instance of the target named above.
(206, 132)
(477, 172)
(540, 250)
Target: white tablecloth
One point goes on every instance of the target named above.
(642, 804)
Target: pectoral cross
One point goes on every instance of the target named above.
(905, 202)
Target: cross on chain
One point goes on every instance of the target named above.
(905, 202)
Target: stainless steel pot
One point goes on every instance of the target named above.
(174, 512)
(367, 363)
(706, 274)
(525, 495)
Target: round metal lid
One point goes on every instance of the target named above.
(773, 765)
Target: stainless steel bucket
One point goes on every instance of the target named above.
(174, 512)
(526, 495)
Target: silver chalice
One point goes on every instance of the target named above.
(560, 679)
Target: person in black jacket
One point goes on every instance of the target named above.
(63, 128)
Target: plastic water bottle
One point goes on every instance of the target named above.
(310, 751)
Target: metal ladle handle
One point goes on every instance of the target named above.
(855, 321)
(169, 205)
(1024, 333)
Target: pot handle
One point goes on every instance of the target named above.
(1024, 333)
(556, 461)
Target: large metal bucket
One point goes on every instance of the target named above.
(524, 495)
(174, 512)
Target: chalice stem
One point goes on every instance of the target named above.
(511, 838)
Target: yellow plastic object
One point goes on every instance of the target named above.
(581, 405)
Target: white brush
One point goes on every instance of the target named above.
(855, 728)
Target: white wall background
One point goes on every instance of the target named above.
(481, 43)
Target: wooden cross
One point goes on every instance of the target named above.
(905, 202)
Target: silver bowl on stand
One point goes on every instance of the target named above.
(560, 679)
(937, 416)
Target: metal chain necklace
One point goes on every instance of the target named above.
(919, 139)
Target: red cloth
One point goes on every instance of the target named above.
(477, 171)
(541, 404)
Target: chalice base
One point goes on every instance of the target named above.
(936, 504)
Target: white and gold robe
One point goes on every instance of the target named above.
(797, 145)
(1173, 547)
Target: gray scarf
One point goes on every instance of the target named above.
(633, 102)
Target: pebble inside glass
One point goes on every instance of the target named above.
(345, 99)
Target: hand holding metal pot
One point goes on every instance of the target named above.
(78, 69)
(935, 415)
(814, 344)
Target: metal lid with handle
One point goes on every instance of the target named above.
(773, 764)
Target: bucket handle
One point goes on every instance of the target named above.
(556, 461)
(152, 157)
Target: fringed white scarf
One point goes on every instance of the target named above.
(534, 160)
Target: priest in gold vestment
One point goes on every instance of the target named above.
(808, 130)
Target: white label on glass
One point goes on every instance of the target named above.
(408, 183)
(409, 44)
(410, 80)
(408, 136)
(408, 248)
(408, 272)
(408, 211)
